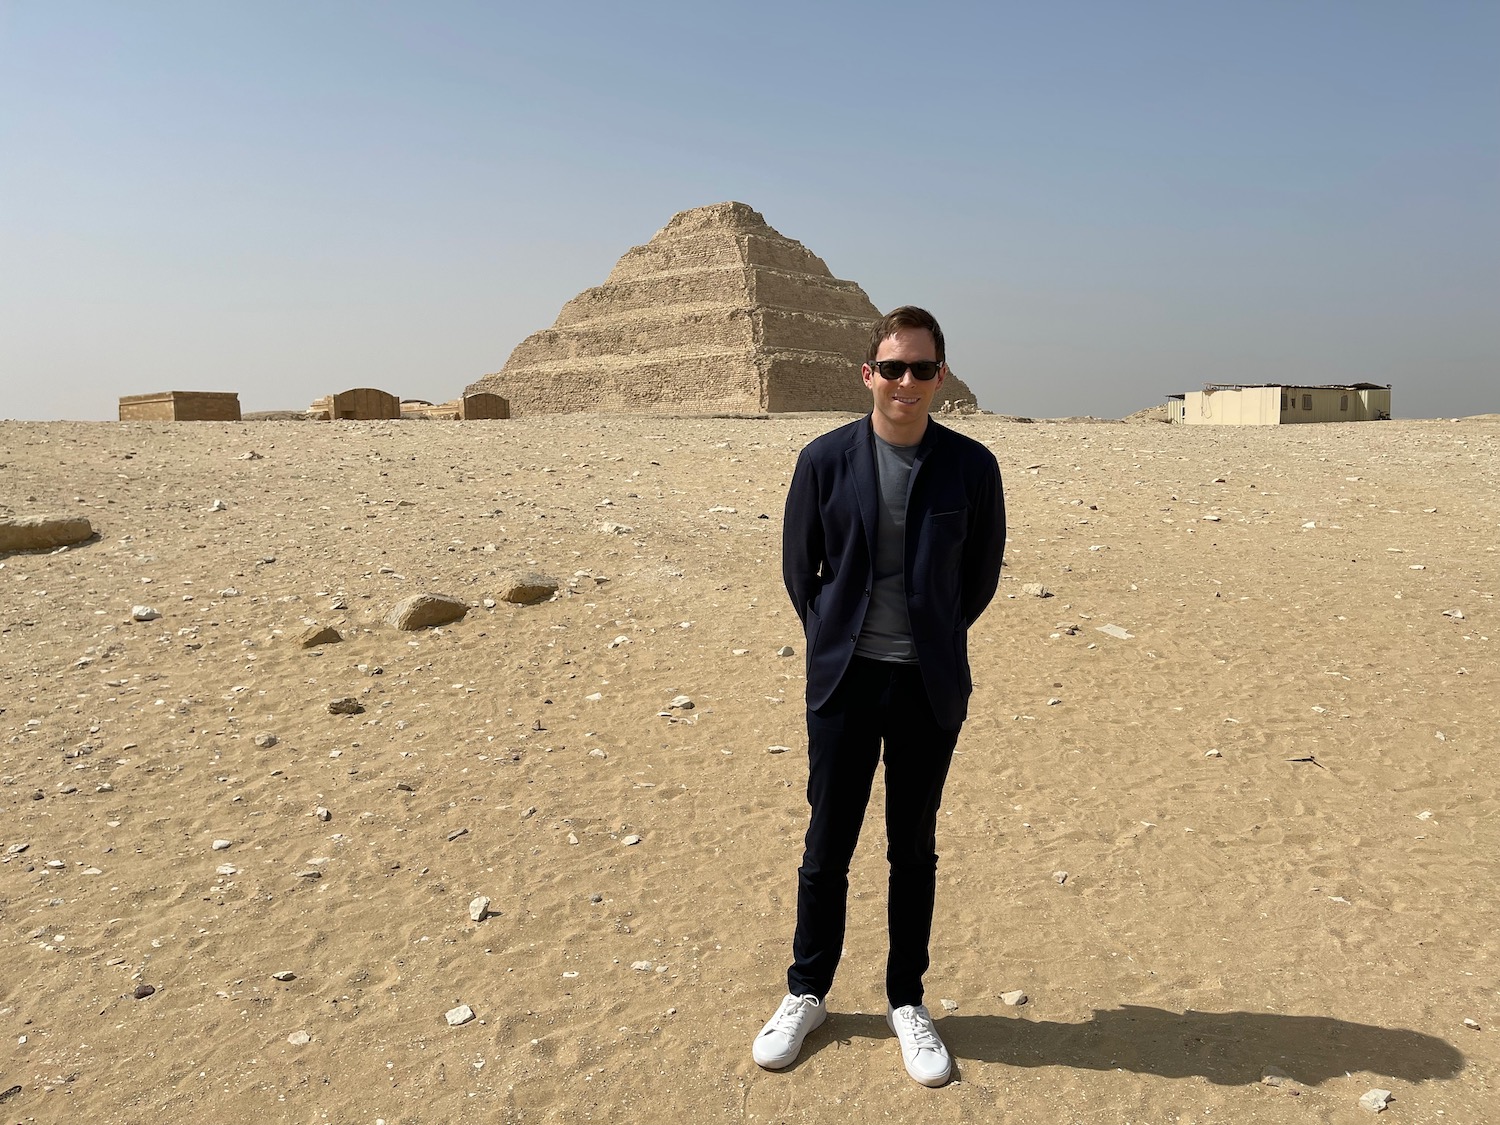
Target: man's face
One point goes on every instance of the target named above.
(901, 405)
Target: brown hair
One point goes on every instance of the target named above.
(907, 316)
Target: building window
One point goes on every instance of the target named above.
(1307, 402)
(1343, 402)
(1283, 400)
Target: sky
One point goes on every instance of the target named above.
(1103, 202)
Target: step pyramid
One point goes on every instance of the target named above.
(718, 313)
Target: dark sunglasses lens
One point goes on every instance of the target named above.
(921, 371)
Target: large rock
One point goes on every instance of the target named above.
(528, 588)
(38, 533)
(423, 611)
(717, 313)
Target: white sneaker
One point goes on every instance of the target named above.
(922, 1050)
(779, 1041)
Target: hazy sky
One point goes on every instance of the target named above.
(1103, 202)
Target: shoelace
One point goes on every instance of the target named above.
(790, 1013)
(919, 1030)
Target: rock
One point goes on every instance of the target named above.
(1214, 753)
(1456, 614)
(630, 840)
(1472, 1025)
(479, 908)
(1375, 1100)
(1014, 998)
(144, 613)
(143, 990)
(345, 705)
(457, 834)
(1061, 877)
(777, 749)
(220, 845)
(1279, 1079)
(315, 635)
(949, 1005)
(322, 814)
(596, 898)
(1036, 590)
(785, 650)
(528, 588)
(265, 740)
(218, 506)
(1116, 632)
(39, 533)
(682, 703)
(226, 869)
(310, 874)
(611, 528)
(641, 966)
(284, 975)
(299, 1039)
(424, 611)
(459, 1016)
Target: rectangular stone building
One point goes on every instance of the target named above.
(1272, 404)
(181, 406)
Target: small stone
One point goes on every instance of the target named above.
(596, 898)
(1053, 702)
(1472, 1025)
(299, 1039)
(218, 506)
(1036, 590)
(310, 874)
(641, 966)
(682, 703)
(226, 869)
(609, 527)
(777, 749)
(143, 990)
(631, 840)
(144, 613)
(596, 752)
(284, 975)
(315, 635)
(785, 650)
(345, 705)
(1060, 876)
(459, 1016)
(1456, 614)
(573, 838)
(1213, 753)
(1375, 1100)
(1014, 998)
(528, 588)
(457, 834)
(949, 1005)
(424, 611)
(479, 908)
(322, 814)
(220, 845)
(265, 740)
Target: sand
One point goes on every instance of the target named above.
(1275, 802)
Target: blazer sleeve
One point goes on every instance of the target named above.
(802, 544)
(984, 546)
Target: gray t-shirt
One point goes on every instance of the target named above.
(887, 630)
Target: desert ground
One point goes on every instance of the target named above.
(1239, 852)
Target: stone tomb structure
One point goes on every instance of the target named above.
(718, 313)
(181, 406)
(362, 403)
(480, 406)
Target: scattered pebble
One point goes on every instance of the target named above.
(143, 990)
(144, 613)
(459, 1016)
(1014, 998)
(457, 834)
(284, 975)
(777, 749)
(1036, 590)
(785, 650)
(1472, 1025)
(1060, 876)
(630, 840)
(682, 703)
(220, 845)
(226, 869)
(1375, 1100)
(345, 705)
(265, 740)
(299, 1039)
(479, 908)
(949, 1005)
(641, 966)
(322, 814)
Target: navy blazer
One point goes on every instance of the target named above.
(955, 538)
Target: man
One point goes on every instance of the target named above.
(894, 530)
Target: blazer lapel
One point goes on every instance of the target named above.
(861, 459)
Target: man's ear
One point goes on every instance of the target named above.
(941, 375)
(867, 373)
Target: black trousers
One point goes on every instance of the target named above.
(877, 702)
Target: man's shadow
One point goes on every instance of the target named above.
(1227, 1048)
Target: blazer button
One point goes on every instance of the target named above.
(867, 593)
(854, 637)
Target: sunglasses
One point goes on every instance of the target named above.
(893, 369)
